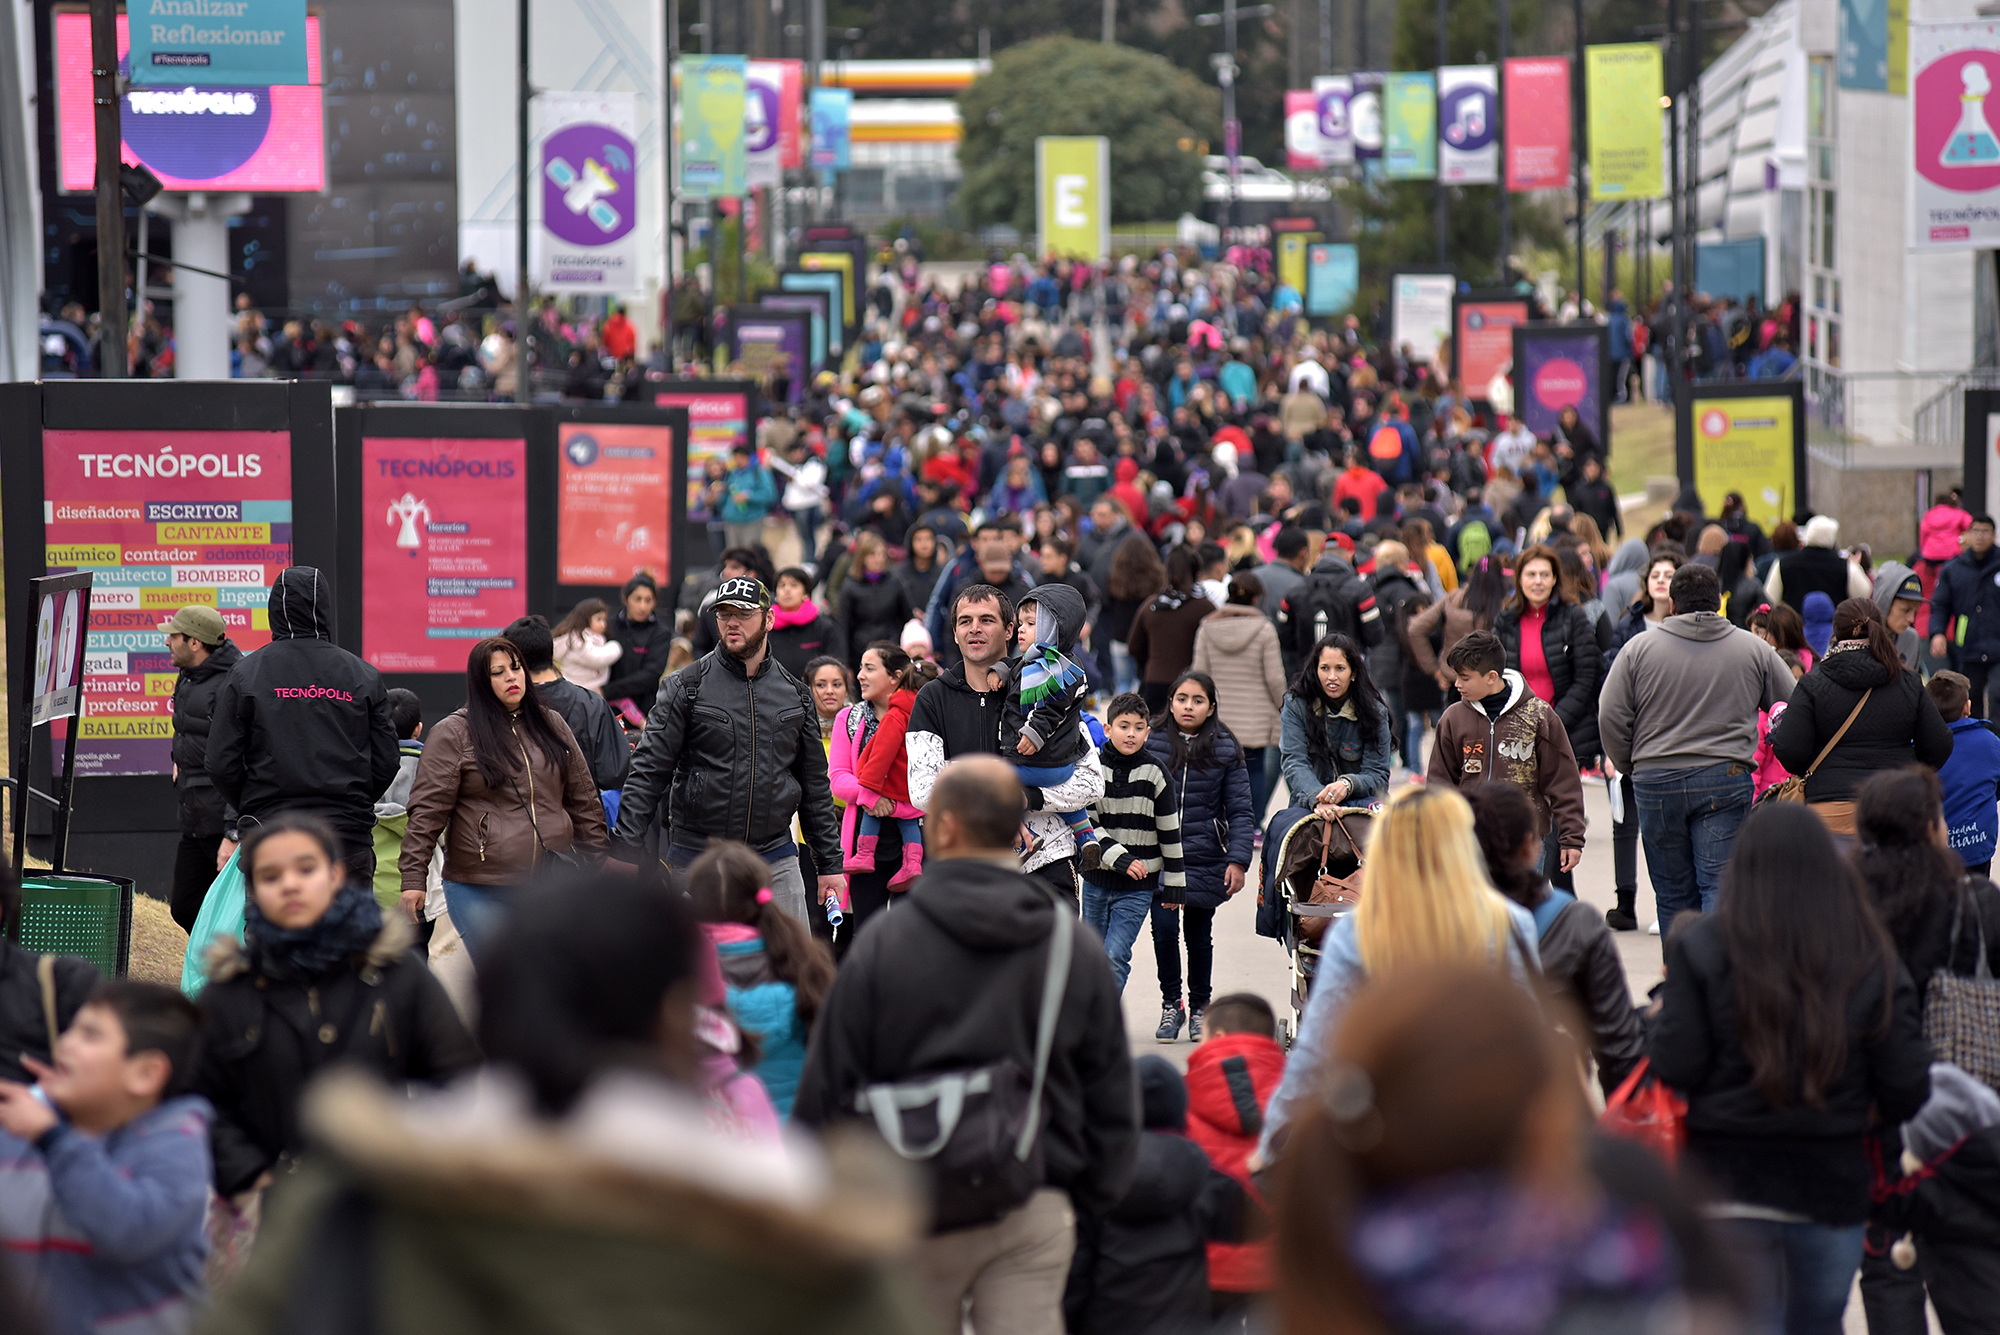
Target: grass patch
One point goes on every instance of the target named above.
(1642, 445)
(159, 946)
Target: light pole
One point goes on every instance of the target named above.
(1225, 74)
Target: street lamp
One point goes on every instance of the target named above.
(1225, 74)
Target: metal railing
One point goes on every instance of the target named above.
(1886, 419)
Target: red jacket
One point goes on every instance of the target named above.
(1230, 1080)
(885, 766)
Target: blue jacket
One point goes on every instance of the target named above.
(1968, 590)
(1971, 780)
(768, 1007)
(758, 491)
(1362, 761)
(1339, 975)
(1214, 794)
(111, 1233)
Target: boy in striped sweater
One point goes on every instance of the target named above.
(1141, 830)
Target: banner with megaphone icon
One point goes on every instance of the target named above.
(1468, 125)
(590, 194)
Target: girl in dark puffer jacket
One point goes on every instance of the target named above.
(1211, 787)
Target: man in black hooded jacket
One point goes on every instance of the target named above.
(303, 725)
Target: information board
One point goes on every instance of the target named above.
(166, 520)
(444, 547)
(616, 487)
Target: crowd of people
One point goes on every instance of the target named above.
(801, 899)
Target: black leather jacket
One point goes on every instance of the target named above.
(736, 758)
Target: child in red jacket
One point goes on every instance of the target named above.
(884, 767)
(1230, 1079)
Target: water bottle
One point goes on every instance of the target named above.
(834, 917)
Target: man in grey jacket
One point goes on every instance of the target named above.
(1679, 714)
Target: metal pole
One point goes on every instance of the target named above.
(1582, 126)
(114, 323)
(1110, 22)
(1506, 17)
(524, 177)
(1326, 36)
(1232, 132)
(1443, 207)
(673, 65)
(1671, 355)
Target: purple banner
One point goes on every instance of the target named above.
(772, 347)
(1555, 369)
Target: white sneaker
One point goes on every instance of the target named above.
(1654, 930)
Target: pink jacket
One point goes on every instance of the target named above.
(1769, 773)
(840, 761)
(1938, 533)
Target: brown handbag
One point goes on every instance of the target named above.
(1794, 788)
(1329, 888)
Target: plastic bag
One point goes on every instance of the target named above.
(221, 915)
(1645, 1110)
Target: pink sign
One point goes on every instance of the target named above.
(1537, 122)
(1560, 384)
(444, 558)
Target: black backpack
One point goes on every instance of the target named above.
(1325, 603)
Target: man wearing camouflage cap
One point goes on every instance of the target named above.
(732, 747)
(199, 643)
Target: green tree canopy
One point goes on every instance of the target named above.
(1144, 105)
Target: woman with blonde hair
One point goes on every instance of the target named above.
(1425, 899)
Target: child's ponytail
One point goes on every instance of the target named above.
(730, 883)
(920, 672)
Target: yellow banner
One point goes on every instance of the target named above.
(82, 554)
(161, 683)
(259, 534)
(1622, 90)
(1745, 446)
(1073, 196)
(97, 729)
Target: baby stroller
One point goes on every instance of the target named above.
(1312, 876)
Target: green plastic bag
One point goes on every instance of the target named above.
(221, 915)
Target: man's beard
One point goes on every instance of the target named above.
(751, 646)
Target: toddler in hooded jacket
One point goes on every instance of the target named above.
(1230, 1078)
(1045, 705)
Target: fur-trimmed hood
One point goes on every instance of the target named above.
(635, 1157)
(227, 958)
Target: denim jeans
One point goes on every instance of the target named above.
(1260, 791)
(1124, 668)
(807, 522)
(1413, 740)
(1804, 1272)
(1117, 915)
(1625, 841)
(1688, 819)
(477, 911)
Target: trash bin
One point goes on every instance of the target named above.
(89, 916)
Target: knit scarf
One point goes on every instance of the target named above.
(804, 614)
(301, 954)
(861, 723)
(1169, 600)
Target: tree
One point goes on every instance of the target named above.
(1145, 106)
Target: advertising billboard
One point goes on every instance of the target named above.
(1537, 130)
(261, 139)
(1482, 344)
(1333, 276)
(1420, 311)
(165, 520)
(1746, 445)
(1073, 195)
(1468, 124)
(1955, 151)
(1410, 126)
(590, 193)
(1622, 90)
(444, 553)
(1558, 366)
(220, 43)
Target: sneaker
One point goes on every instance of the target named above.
(1620, 920)
(1171, 1019)
(1654, 930)
(1194, 1025)
(1089, 855)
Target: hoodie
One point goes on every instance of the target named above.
(302, 724)
(1890, 579)
(1142, 1264)
(1971, 780)
(1627, 570)
(1687, 695)
(1046, 705)
(952, 980)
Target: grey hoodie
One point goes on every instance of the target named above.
(1621, 580)
(1889, 577)
(1689, 696)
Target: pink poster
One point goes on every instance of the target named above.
(444, 556)
(166, 519)
(1302, 143)
(1537, 122)
(616, 484)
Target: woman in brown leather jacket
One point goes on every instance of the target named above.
(504, 784)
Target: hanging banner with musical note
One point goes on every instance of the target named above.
(1468, 128)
